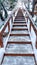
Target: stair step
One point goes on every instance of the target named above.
(18, 42)
(19, 24)
(20, 17)
(18, 60)
(19, 21)
(23, 26)
(19, 39)
(19, 49)
(20, 28)
(20, 32)
(23, 22)
(10, 54)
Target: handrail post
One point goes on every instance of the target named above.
(30, 25)
(1, 40)
(36, 40)
(8, 26)
(1, 33)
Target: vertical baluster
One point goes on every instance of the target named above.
(1, 40)
(36, 39)
(9, 26)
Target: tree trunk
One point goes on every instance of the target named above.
(1, 16)
(4, 10)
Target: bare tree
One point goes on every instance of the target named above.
(6, 5)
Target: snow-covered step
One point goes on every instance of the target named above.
(19, 33)
(19, 38)
(19, 24)
(18, 60)
(20, 28)
(2, 23)
(19, 49)
(19, 21)
(19, 17)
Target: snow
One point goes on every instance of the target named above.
(33, 38)
(1, 23)
(34, 18)
(1, 54)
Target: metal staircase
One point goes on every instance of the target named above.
(19, 49)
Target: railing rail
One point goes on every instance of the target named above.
(7, 23)
(3, 28)
(31, 22)
(35, 12)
